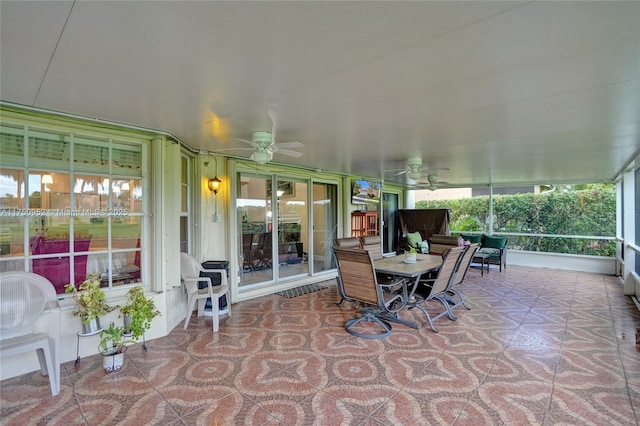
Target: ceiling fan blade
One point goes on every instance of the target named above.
(234, 149)
(294, 154)
(248, 141)
(286, 145)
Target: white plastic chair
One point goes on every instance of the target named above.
(190, 273)
(24, 297)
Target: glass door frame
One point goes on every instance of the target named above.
(384, 214)
(238, 167)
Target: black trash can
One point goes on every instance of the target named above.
(215, 280)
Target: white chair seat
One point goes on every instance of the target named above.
(39, 342)
(25, 297)
(12, 345)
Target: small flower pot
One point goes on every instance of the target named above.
(410, 257)
(93, 327)
(113, 361)
(126, 322)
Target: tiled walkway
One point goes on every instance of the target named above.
(539, 346)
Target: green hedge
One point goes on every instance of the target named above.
(589, 212)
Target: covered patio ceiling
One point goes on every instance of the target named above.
(484, 93)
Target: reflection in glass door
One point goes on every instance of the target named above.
(325, 224)
(255, 222)
(273, 227)
(389, 229)
(293, 235)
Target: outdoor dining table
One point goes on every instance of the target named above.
(397, 267)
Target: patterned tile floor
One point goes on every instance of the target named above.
(539, 346)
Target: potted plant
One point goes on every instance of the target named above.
(138, 313)
(112, 347)
(91, 303)
(410, 255)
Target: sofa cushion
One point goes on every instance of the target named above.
(471, 238)
(490, 251)
(423, 247)
(413, 238)
(448, 240)
(494, 242)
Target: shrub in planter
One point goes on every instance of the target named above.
(112, 347)
(91, 302)
(140, 310)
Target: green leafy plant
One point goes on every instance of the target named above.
(90, 300)
(413, 250)
(584, 210)
(141, 310)
(112, 340)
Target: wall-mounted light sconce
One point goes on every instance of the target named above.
(214, 185)
(47, 179)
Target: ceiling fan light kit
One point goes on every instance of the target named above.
(261, 157)
(415, 174)
(415, 162)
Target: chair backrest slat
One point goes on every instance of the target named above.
(347, 242)
(371, 243)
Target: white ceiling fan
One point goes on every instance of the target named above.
(264, 144)
(416, 172)
(432, 181)
(415, 168)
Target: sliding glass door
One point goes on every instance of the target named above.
(274, 219)
(292, 203)
(325, 224)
